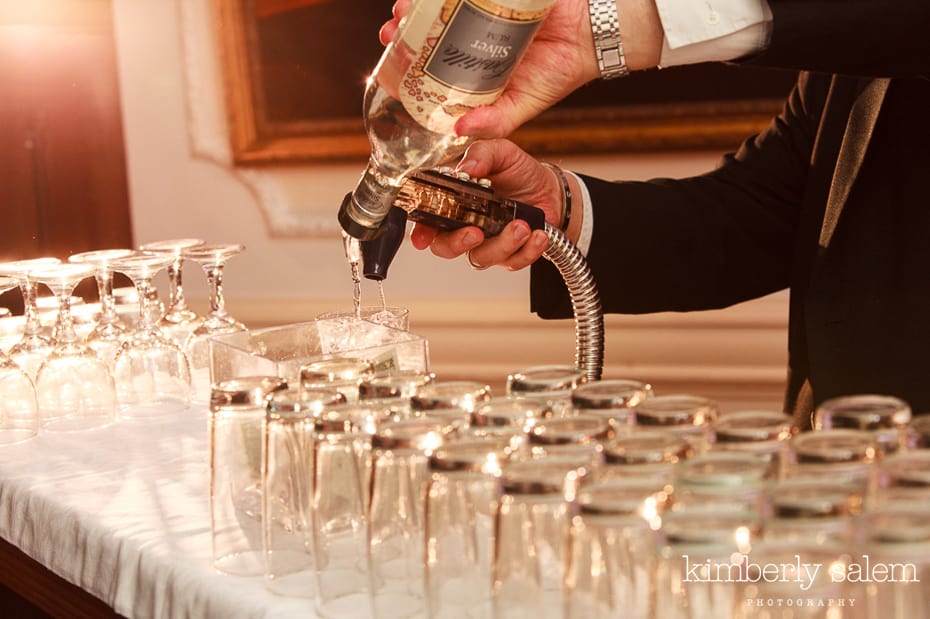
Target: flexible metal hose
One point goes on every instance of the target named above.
(586, 302)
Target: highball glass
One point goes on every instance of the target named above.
(611, 557)
(886, 417)
(287, 489)
(237, 412)
(613, 399)
(461, 500)
(399, 479)
(687, 415)
(764, 433)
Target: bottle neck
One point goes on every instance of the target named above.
(364, 209)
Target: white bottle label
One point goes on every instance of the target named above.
(465, 60)
(477, 51)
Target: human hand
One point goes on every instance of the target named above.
(559, 60)
(514, 174)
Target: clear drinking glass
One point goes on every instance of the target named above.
(576, 430)
(34, 346)
(698, 551)
(152, 373)
(237, 412)
(461, 500)
(463, 394)
(108, 333)
(404, 384)
(287, 489)
(688, 415)
(550, 382)
(897, 540)
(844, 456)
(19, 420)
(614, 400)
(509, 417)
(646, 455)
(790, 580)
(530, 538)
(904, 478)
(918, 432)
(813, 510)
(213, 259)
(886, 417)
(764, 433)
(343, 374)
(74, 388)
(399, 478)
(340, 517)
(722, 480)
(611, 557)
(179, 320)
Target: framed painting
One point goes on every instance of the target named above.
(295, 72)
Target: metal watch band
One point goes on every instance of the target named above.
(605, 26)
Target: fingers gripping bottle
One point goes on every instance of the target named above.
(447, 57)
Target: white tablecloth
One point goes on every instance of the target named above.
(123, 512)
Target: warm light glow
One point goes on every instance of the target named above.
(743, 539)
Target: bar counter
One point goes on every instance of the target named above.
(123, 514)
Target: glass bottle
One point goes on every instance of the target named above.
(447, 57)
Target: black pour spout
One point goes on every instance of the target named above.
(378, 253)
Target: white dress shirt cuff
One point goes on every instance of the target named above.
(587, 217)
(721, 30)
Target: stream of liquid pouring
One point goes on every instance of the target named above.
(353, 251)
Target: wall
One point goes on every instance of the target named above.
(478, 325)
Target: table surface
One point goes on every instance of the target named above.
(123, 512)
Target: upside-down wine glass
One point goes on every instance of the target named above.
(18, 410)
(152, 372)
(179, 320)
(34, 346)
(107, 335)
(74, 387)
(212, 258)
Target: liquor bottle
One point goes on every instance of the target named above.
(447, 57)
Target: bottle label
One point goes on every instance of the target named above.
(477, 50)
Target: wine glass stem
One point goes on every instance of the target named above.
(65, 334)
(147, 306)
(217, 301)
(29, 291)
(176, 287)
(105, 292)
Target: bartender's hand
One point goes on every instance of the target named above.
(560, 59)
(515, 174)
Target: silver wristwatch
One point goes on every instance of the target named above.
(605, 26)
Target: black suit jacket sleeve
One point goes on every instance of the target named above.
(877, 38)
(704, 242)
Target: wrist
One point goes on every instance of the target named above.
(642, 33)
(638, 36)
